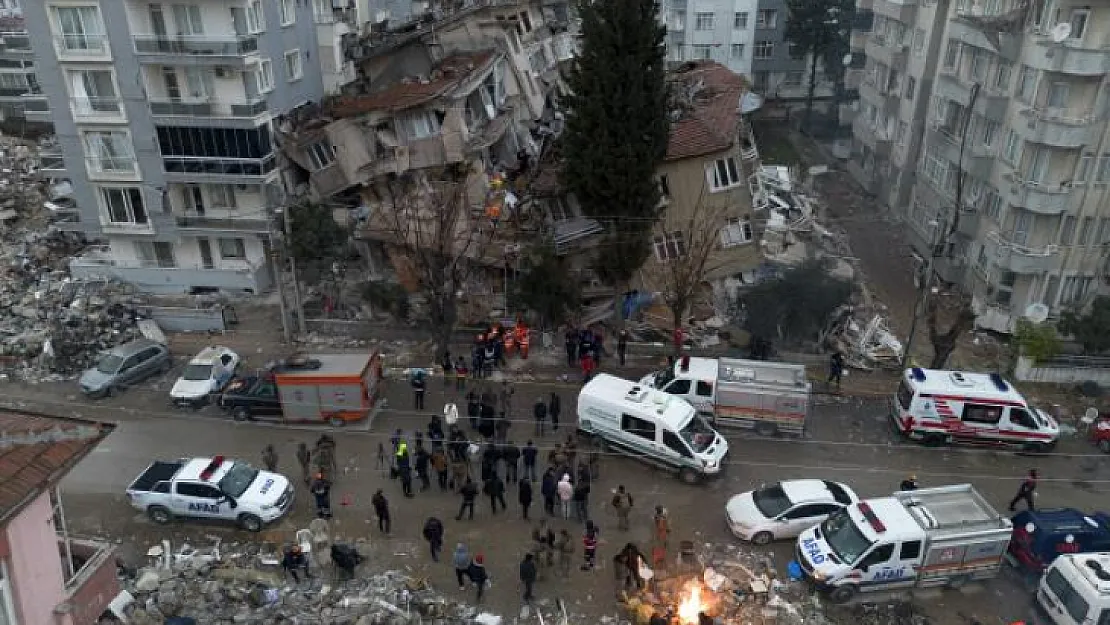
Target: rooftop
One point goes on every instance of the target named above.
(705, 109)
(446, 76)
(37, 451)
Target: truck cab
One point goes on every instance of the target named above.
(947, 535)
(1075, 590)
(251, 396)
(691, 378)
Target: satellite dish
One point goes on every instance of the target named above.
(1037, 313)
(1060, 32)
(847, 60)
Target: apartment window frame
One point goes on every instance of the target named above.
(1103, 237)
(918, 43)
(188, 20)
(979, 65)
(232, 248)
(431, 127)
(763, 50)
(1079, 19)
(1086, 231)
(1011, 149)
(1102, 171)
(321, 154)
(793, 78)
(737, 231)
(1084, 168)
(911, 87)
(95, 40)
(1002, 75)
(901, 133)
(288, 11)
(88, 105)
(1056, 97)
(1067, 230)
(130, 197)
(952, 54)
(1026, 84)
(664, 185)
(669, 246)
(766, 18)
(990, 132)
(1023, 222)
(222, 196)
(736, 51)
(256, 17)
(703, 51)
(120, 149)
(264, 75)
(723, 174)
(740, 20)
(294, 65)
(705, 20)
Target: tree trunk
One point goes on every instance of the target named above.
(444, 315)
(945, 343)
(811, 90)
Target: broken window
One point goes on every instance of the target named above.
(737, 231)
(321, 154)
(422, 124)
(723, 174)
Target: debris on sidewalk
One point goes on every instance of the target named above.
(862, 335)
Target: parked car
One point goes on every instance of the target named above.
(125, 365)
(786, 509)
(207, 373)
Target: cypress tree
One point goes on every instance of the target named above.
(617, 127)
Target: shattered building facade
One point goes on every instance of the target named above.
(465, 96)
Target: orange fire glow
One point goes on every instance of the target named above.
(691, 604)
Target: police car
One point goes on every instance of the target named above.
(216, 488)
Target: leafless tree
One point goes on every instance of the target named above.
(957, 309)
(680, 278)
(437, 229)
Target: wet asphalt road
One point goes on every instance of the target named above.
(848, 441)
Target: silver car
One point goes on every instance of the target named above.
(125, 365)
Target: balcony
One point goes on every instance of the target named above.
(962, 30)
(170, 277)
(1043, 199)
(52, 163)
(122, 168)
(204, 111)
(82, 47)
(97, 109)
(91, 579)
(977, 161)
(164, 49)
(888, 102)
(15, 42)
(200, 223)
(1067, 58)
(1017, 258)
(990, 104)
(873, 139)
(891, 53)
(218, 170)
(1052, 126)
(35, 108)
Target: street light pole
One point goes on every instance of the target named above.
(275, 267)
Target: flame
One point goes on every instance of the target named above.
(691, 604)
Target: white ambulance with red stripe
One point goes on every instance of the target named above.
(940, 407)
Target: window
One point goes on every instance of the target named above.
(918, 41)
(737, 50)
(763, 50)
(1027, 80)
(293, 69)
(679, 387)
(978, 64)
(321, 154)
(1011, 151)
(761, 79)
(1103, 173)
(978, 413)
(1066, 594)
(878, 556)
(910, 550)
(792, 79)
(110, 151)
(675, 444)
(723, 174)
(1002, 76)
(1083, 169)
(1067, 230)
(704, 389)
(1004, 292)
(264, 76)
(93, 91)
(233, 249)
(703, 51)
(637, 426)
(952, 54)
(795, 51)
(422, 124)
(669, 246)
(740, 20)
(187, 19)
(525, 22)
(204, 491)
(990, 132)
(256, 20)
(1022, 418)
(161, 487)
(124, 206)
(288, 13)
(79, 29)
(1103, 231)
(766, 18)
(664, 186)
(1038, 165)
(1057, 95)
(736, 232)
(222, 195)
(1078, 23)
(911, 87)
(703, 21)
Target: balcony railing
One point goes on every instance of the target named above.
(197, 45)
(1056, 127)
(123, 167)
(102, 257)
(218, 166)
(81, 45)
(96, 108)
(1021, 258)
(1068, 57)
(15, 92)
(1040, 198)
(52, 161)
(15, 42)
(179, 107)
(198, 221)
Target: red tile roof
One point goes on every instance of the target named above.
(710, 120)
(37, 451)
(447, 75)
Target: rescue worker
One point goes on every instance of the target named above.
(433, 533)
(321, 492)
(528, 455)
(304, 458)
(404, 468)
(421, 462)
(509, 341)
(419, 386)
(522, 339)
(381, 510)
(910, 483)
(495, 488)
(549, 491)
(622, 503)
(528, 575)
(1026, 491)
(270, 458)
(836, 368)
(293, 561)
(524, 496)
(539, 413)
(469, 493)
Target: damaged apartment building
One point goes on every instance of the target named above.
(463, 94)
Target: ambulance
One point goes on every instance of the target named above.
(941, 407)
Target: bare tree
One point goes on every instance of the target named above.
(679, 278)
(441, 239)
(957, 308)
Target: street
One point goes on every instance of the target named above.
(848, 441)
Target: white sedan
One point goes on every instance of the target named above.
(786, 509)
(207, 373)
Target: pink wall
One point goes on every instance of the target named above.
(35, 567)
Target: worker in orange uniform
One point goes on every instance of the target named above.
(510, 343)
(521, 331)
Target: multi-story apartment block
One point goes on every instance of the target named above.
(163, 114)
(20, 96)
(1011, 100)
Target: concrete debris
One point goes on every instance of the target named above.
(861, 334)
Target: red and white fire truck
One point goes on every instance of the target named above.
(940, 407)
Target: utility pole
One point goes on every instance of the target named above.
(925, 283)
(275, 267)
(298, 307)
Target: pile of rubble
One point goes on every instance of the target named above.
(861, 334)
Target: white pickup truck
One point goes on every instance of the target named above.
(211, 488)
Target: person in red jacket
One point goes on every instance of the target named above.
(588, 366)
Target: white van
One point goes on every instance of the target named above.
(650, 425)
(1075, 590)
